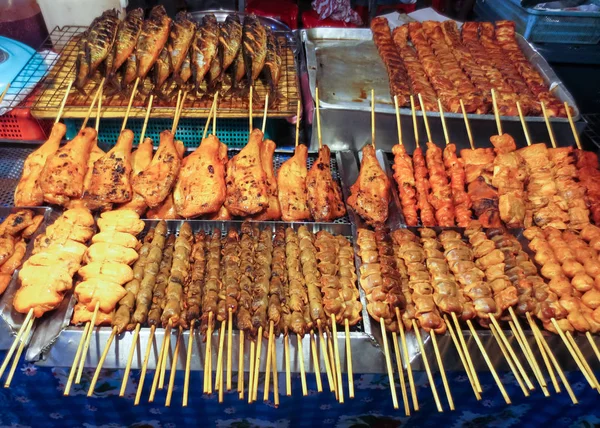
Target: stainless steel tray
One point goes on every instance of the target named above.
(346, 66)
(11, 320)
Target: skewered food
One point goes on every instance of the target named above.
(245, 277)
(193, 292)
(152, 39)
(456, 173)
(405, 179)
(160, 286)
(291, 186)
(261, 284)
(272, 211)
(440, 196)
(204, 49)
(589, 178)
(324, 194)
(422, 186)
(370, 194)
(254, 47)
(297, 296)
(478, 172)
(127, 37)
(210, 292)
(273, 65)
(312, 275)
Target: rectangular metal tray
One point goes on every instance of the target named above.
(11, 320)
(346, 66)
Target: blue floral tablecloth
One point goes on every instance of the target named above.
(35, 399)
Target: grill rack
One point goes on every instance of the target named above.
(45, 99)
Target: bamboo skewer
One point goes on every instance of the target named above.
(220, 361)
(264, 123)
(91, 108)
(163, 367)
(540, 337)
(349, 358)
(18, 354)
(286, 357)
(544, 355)
(159, 364)
(229, 348)
(524, 124)
(259, 341)
(62, 104)
(269, 362)
(250, 109)
(207, 357)
(337, 360)
(188, 363)
(496, 113)
(251, 374)
(401, 374)
(140, 388)
(425, 120)
(297, 124)
(573, 128)
(508, 359)
(98, 114)
(463, 343)
(15, 343)
(388, 363)
(440, 363)
(315, 357)
(145, 124)
(173, 368)
(462, 358)
(467, 125)
(327, 365)
(86, 345)
(548, 125)
(489, 363)
(109, 342)
(414, 118)
(241, 373)
(331, 356)
(582, 358)
(7, 87)
(275, 376)
(436, 397)
(373, 117)
(593, 344)
(398, 125)
(411, 381)
(318, 119)
(75, 360)
(302, 369)
(133, 93)
(443, 119)
(176, 111)
(210, 113)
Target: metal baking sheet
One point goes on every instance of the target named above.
(11, 320)
(55, 340)
(346, 66)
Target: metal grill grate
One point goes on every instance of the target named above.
(46, 98)
(592, 130)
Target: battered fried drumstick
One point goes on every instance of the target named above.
(411, 256)
(143, 299)
(162, 279)
(193, 292)
(405, 179)
(180, 270)
(210, 294)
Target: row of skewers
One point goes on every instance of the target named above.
(443, 62)
(178, 54)
(170, 186)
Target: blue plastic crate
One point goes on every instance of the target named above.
(233, 132)
(540, 26)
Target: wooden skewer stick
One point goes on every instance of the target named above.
(548, 125)
(327, 366)
(229, 348)
(436, 397)
(539, 336)
(275, 376)
(297, 124)
(210, 113)
(401, 374)
(425, 120)
(315, 357)
(349, 358)
(414, 118)
(508, 359)
(411, 380)
(467, 125)
(496, 113)
(443, 119)
(440, 363)
(489, 363)
(86, 345)
(591, 380)
(592, 342)
(388, 363)
(288, 375)
(573, 128)
(91, 108)
(398, 125)
(134, 340)
(252, 362)
(259, 341)
(269, 362)
(167, 349)
(208, 357)
(98, 114)
(131, 97)
(338, 365)
(373, 117)
(511, 352)
(173, 368)
(302, 369)
(241, 373)
(318, 119)
(109, 342)
(216, 101)
(159, 364)
(543, 353)
(140, 388)
(76, 360)
(145, 124)
(176, 111)
(582, 358)
(15, 363)
(331, 356)
(461, 356)
(463, 343)
(264, 124)
(524, 344)
(62, 104)
(188, 364)
(15, 343)
(524, 124)
(220, 360)
(7, 87)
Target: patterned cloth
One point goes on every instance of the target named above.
(338, 10)
(35, 399)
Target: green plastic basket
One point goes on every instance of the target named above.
(233, 132)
